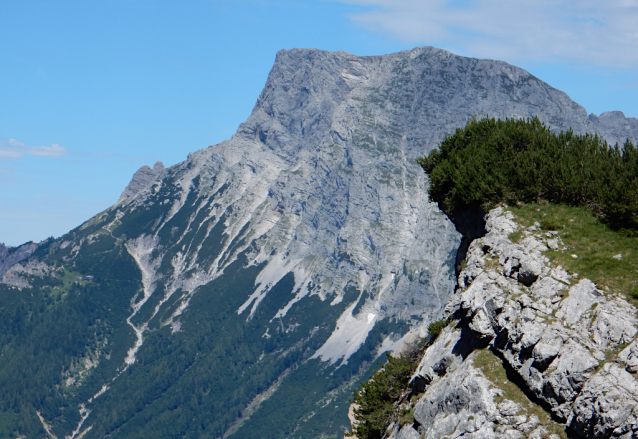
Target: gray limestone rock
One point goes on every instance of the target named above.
(582, 297)
(566, 377)
(614, 323)
(558, 358)
(18, 274)
(442, 348)
(539, 433)
(615, 125)
(9, 256)
(529, 271)
(142, 179)
(459, 404)
(545, 351)
(629, 356)
(482, 325)
(547, 287)
(408, 432)
(560, 274)
(607, 405)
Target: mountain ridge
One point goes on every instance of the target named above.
(304, 246)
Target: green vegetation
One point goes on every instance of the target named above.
(578, 189)
(407, 416)
(492, 368)
(435, 328)
(555, 180)
(593, 242)
(376, 398)
(63, 339)
(492, 161)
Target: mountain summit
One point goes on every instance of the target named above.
(245, 291)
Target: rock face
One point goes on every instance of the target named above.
(322, 175)
(142, 179)
(9, 256)
(18, 274)
(559, 337)
(304, 246)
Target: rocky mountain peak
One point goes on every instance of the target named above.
(313, 97)
(142, 179)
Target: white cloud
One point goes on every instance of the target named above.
(13, 149)
(602, 33)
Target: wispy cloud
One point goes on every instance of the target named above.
(13, 149)
(585, 31)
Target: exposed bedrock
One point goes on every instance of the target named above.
(10, 256)
(558, 337)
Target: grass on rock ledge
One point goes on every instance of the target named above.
(593, 242)
(493, 369)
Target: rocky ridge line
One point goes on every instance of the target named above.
(10, 256)
(558, 334)
(142, 179)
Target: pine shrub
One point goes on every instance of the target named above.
(492, 161)
(376, 398)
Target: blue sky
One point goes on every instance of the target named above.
(93, 89)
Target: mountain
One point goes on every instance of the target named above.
(245, 291)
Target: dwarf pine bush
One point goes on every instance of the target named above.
(492, 161)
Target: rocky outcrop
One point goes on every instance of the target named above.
(18, 275)
(142, 179)
(558, 337)
(614, 126)
(9, 256)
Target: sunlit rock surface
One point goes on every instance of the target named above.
(297, 251)
(321, 179)
(559, 337)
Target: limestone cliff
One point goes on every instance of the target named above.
(9, 256)
(568, 349)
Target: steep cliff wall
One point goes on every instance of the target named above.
(533, 351)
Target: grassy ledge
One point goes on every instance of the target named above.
(596, 246)
(493, 369)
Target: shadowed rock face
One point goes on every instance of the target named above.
(310, 233)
